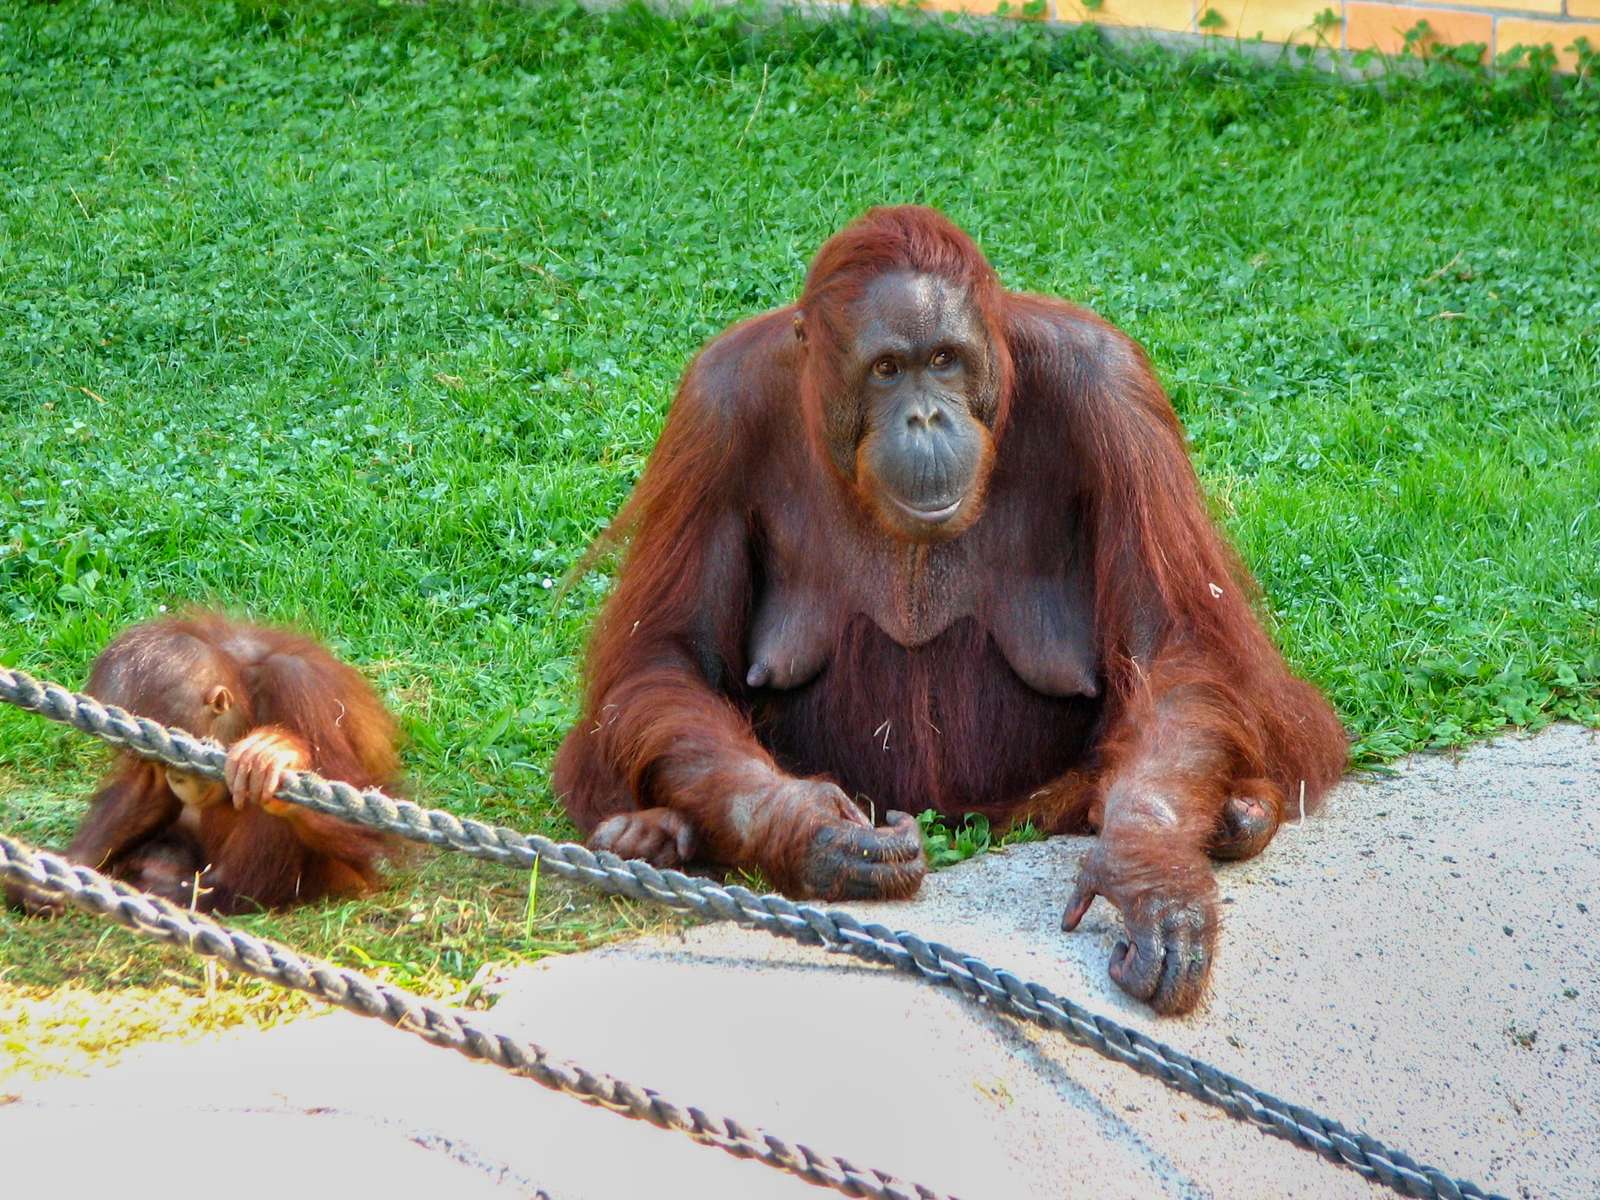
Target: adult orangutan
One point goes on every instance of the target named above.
(280, 702)
(918, 541)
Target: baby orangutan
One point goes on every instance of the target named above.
(280, 702)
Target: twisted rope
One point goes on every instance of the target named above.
(45, 874)
(837, 931)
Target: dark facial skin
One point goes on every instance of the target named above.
(921, 369)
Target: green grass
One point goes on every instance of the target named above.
(365, 317)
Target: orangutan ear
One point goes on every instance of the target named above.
(219, 699)
(800, 327)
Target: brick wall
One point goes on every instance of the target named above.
(1496, 25)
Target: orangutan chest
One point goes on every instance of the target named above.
(799, 617)
(1040, 623)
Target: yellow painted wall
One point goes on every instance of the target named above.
(1496, 25)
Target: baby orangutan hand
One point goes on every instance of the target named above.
(256, 766)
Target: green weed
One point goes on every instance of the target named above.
(946, 845)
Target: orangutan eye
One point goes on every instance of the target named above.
(942, 358)
(886, 368)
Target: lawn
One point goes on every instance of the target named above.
(365, 317)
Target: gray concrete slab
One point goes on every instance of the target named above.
(1422, 962)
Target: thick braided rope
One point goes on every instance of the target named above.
(45, 874)
(838, 931)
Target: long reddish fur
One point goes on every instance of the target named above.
(1183, 655)
(290, 683)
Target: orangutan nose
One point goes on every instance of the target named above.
(924, 414)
